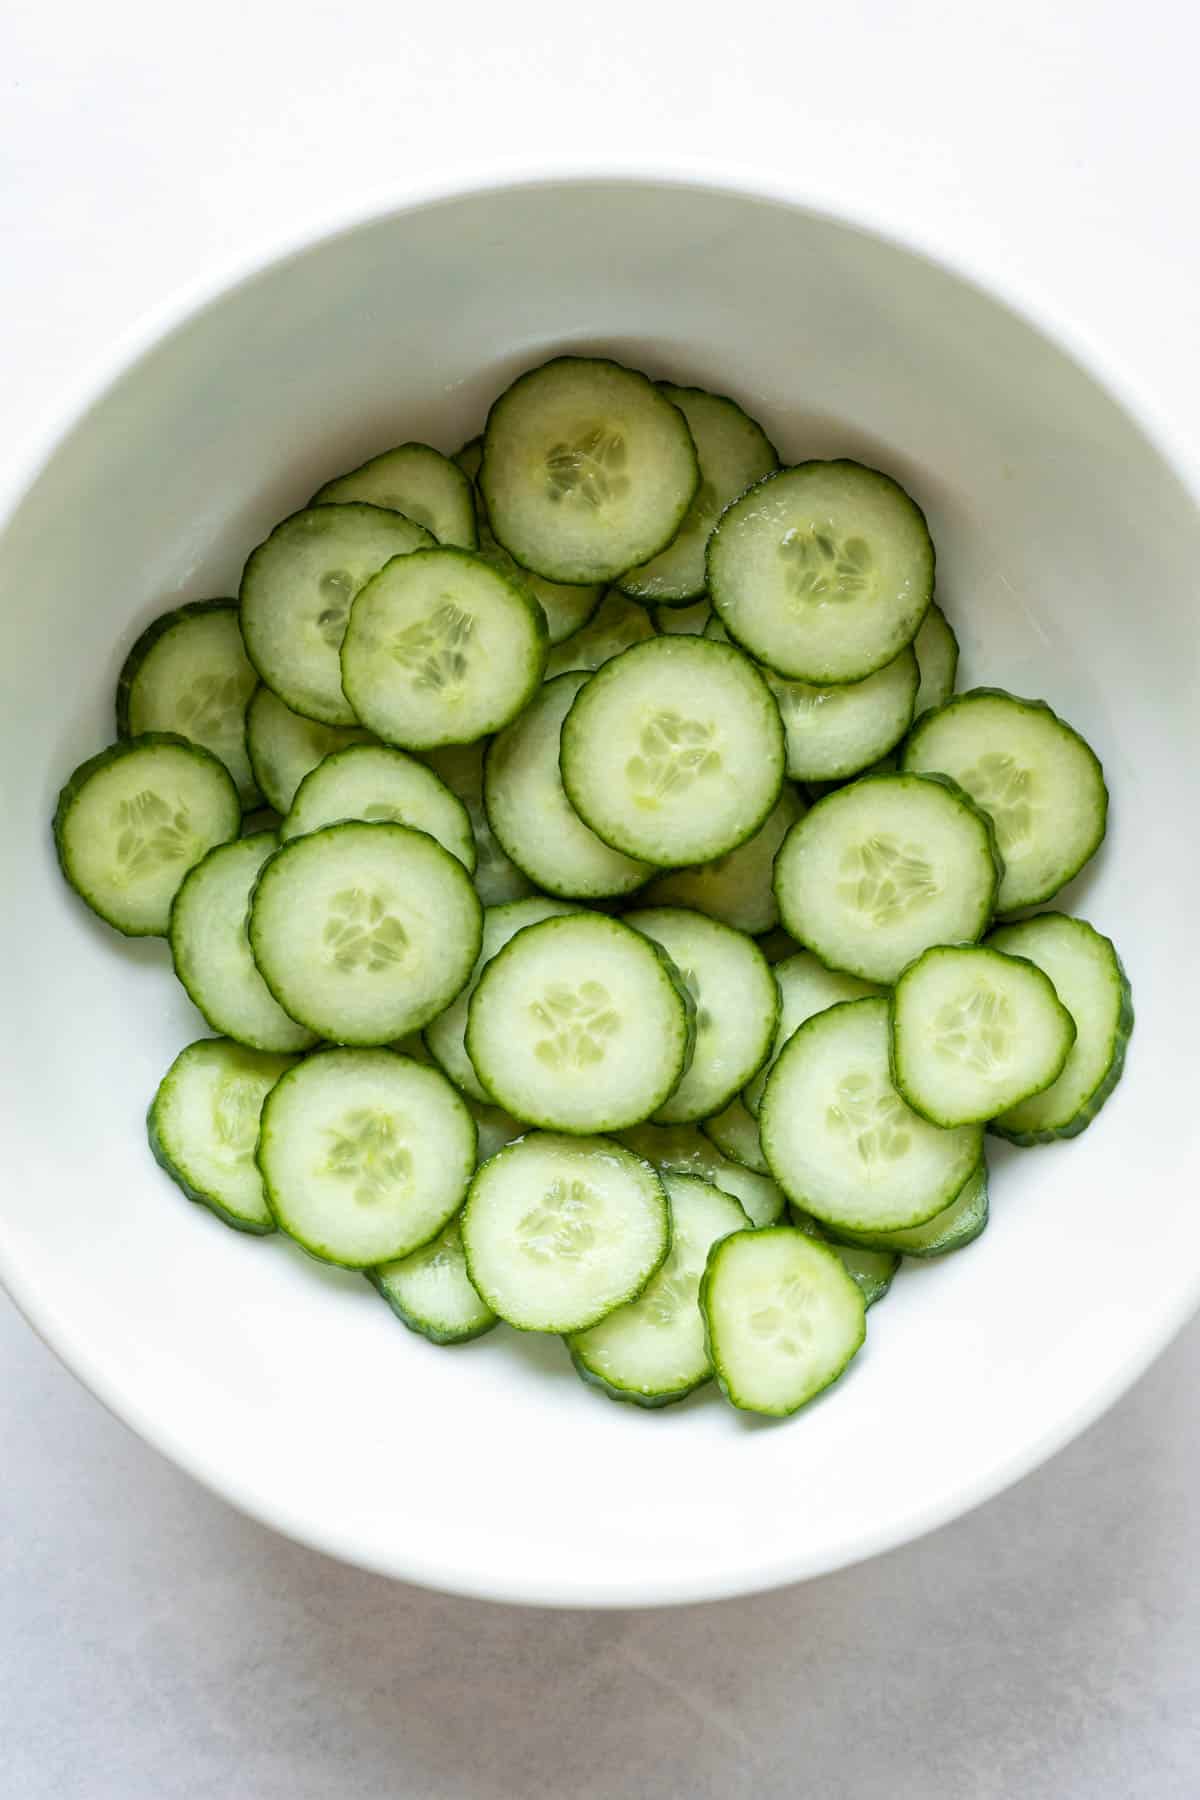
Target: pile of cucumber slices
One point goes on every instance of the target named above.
(612, 920)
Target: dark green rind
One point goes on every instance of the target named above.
(951, 1237)
(324, 495)
(251, 1227)
(649, 1402)
(422, 1327)
(872, 1286)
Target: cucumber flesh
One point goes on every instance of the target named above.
(685, 1150)
(419, 482)
(373, 782)
(806, 987)
(284, 747)
(835, 732)
(188, 673)
(203, 1127)
(683, 621)
(871, 1270)
(567, 609)
(616, 625)
(430, 1291)
(737, 888)
(936, 649)
(734, 1131)
(497, 879)
(956, 1226)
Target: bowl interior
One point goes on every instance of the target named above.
(1067, 553)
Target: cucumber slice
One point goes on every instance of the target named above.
(364, 932)
(1042, 786)
(430, 1291)
(365, 1155)
(735, 1133)
(736, 1000)
(974, 1032)
(530, 814)
(445, 1037)
(617, 625)
(806, 987)
(835, 732)
(587, 469)
(684, 1150)
(956, 1226)
(203, 1126)
(683, 621)
(872, 1271)
(211, 952)
(733, 453)
(580, 1024)
(840, 1140)
(673, 753)
(296, 593)
(441, 649)
(284, 747)
(133, 820)
(188, 674)
(567, 609)
(495, 1127)
(883, 869)
(421, 483)
(1092, 985)
(559, 1231)
(737, 889)
(460, 766)
(936, 649)
(652, 1351)
(823, 571)
(782, 1318)
(470, 459)
(373, 782)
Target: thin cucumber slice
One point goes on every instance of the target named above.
(1040, 783)
(842, 1143)
(587, 469)
(782, 1318)
(652, 1351)
(883, 869)
(441, 649)
(872, 1271)
(364, 932)
(975, 1031)
(737, 1005)
(806, 987)
(936, 649)
(530, 814)
(956, 1226)
(567, 609)
(673, 752)
(284, 746)
(133, 820)
(365, 1155)
(421, 483)
(560, 1231)
(735, 1133)
(470, 458)
(495, 1127)
(203, 1126)
(374, 782)
(296, 593)
(1092, 985)
(445, 1037)
(188, 673)
(737, 889)
(684, 1150)
(823, 571)
(733, 453)
(683, 621)
(616, 625)
(430, 1291)
(580, 1024)
(211, 952)
(835, 732)
(460, 766)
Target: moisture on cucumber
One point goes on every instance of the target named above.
(188, 674)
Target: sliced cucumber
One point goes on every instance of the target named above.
(1092, 985)
(956, 1226)
(470, 458)
(835, 732)
(284, 747)
(445, 1036)
(840, 1140)
(806, 987)
(559, 1231)
(567, 609)
(872, 1271)
(974, 1032)
(495, 1127)
(580, 1024)
(673, 752)
(737, 889)
(430, 1291)
(736, 1000)
(203, 1126)
(421, 483)
(883, 869)
(530, 814)
(188, 674)
(683, 621)
(364, 1155)
(441, 649)
(296, 593)
(364, 932)
(684, 1150)
(733, 453)
(460, 766)
(936, 650)
(823, 571)
(373, 782)
(735, 1133)
(782, 1318)
(211, 951)
(652, 1351)
(587, 469)
(133, 820)
(1042, 786)
(617, 625)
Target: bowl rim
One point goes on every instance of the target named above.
(1025, 301)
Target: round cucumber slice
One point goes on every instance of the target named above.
(616, 625)
(415, 480)
(806, 987)
(685, 1150)
(373, 782)
(738, 888)
(734, 1131)
(430, 1291)
(188, 673)
(836, 732)
(284, 747)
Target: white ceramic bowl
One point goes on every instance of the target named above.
(1067, 553)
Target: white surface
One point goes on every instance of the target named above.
(160, 1646)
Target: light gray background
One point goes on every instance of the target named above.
(153, 1644)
